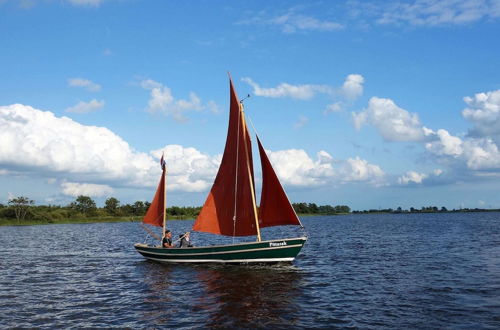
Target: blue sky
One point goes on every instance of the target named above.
(369, 104)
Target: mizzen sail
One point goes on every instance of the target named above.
(155, 214)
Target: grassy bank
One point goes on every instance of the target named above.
(14, 222)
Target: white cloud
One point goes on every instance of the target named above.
(301, 92)
(412, 177)
(85, 83)
(87, 189)
(481, 154)
(415, 178)
(85, 156)
(94, 161)
(359, 170)
(484, 112)
(162, 101)
(86, 107)
(334, 107)
(351, 89)
(353, 86)
(188, 169)
(291, 23)
(476, 153)
(446, 144)
(32, 139)
(295, 167)
(392, 122)
(86, 3)
(438, 12)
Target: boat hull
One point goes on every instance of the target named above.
(281, 250)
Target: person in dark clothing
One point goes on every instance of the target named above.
(184, 240)
(166, 242)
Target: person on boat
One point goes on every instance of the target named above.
(184, 240)
(166, 242)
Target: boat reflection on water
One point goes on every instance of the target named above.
(180, 295)
(249, 296)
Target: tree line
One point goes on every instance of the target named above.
(23, 208)
(84, 207)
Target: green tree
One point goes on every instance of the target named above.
(84, 205)
(112, 205)
(21, 206)
(139, 208)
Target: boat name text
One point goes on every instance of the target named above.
(272, 244)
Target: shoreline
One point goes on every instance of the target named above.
(14, 222)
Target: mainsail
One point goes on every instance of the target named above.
(230, 207)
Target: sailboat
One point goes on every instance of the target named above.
(230, 208)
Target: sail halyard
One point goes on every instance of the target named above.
(250, 174)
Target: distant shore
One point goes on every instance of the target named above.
(31, 222)
(14, 222)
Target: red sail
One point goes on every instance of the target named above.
(275, 208)
(154, 215)
(231, 194)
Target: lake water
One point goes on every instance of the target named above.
(360, 271)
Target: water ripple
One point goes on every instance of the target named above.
(359, 271)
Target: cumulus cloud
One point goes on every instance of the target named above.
(412, 177)
(484, 112)
(162, 101)
(359, 170)
(86, 107)
(301, 92)
(392, 122)
(351, 90)
(188, 169)
(481, 154)
(446, 144)
(437, 12)
(84, 83)
(475, 153)
(353, 86)
(295, 167)
(334, 107)
(94, 161)
(38, 140)
(87, 189)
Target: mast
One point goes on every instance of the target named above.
(252, 190)
(164, 168)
